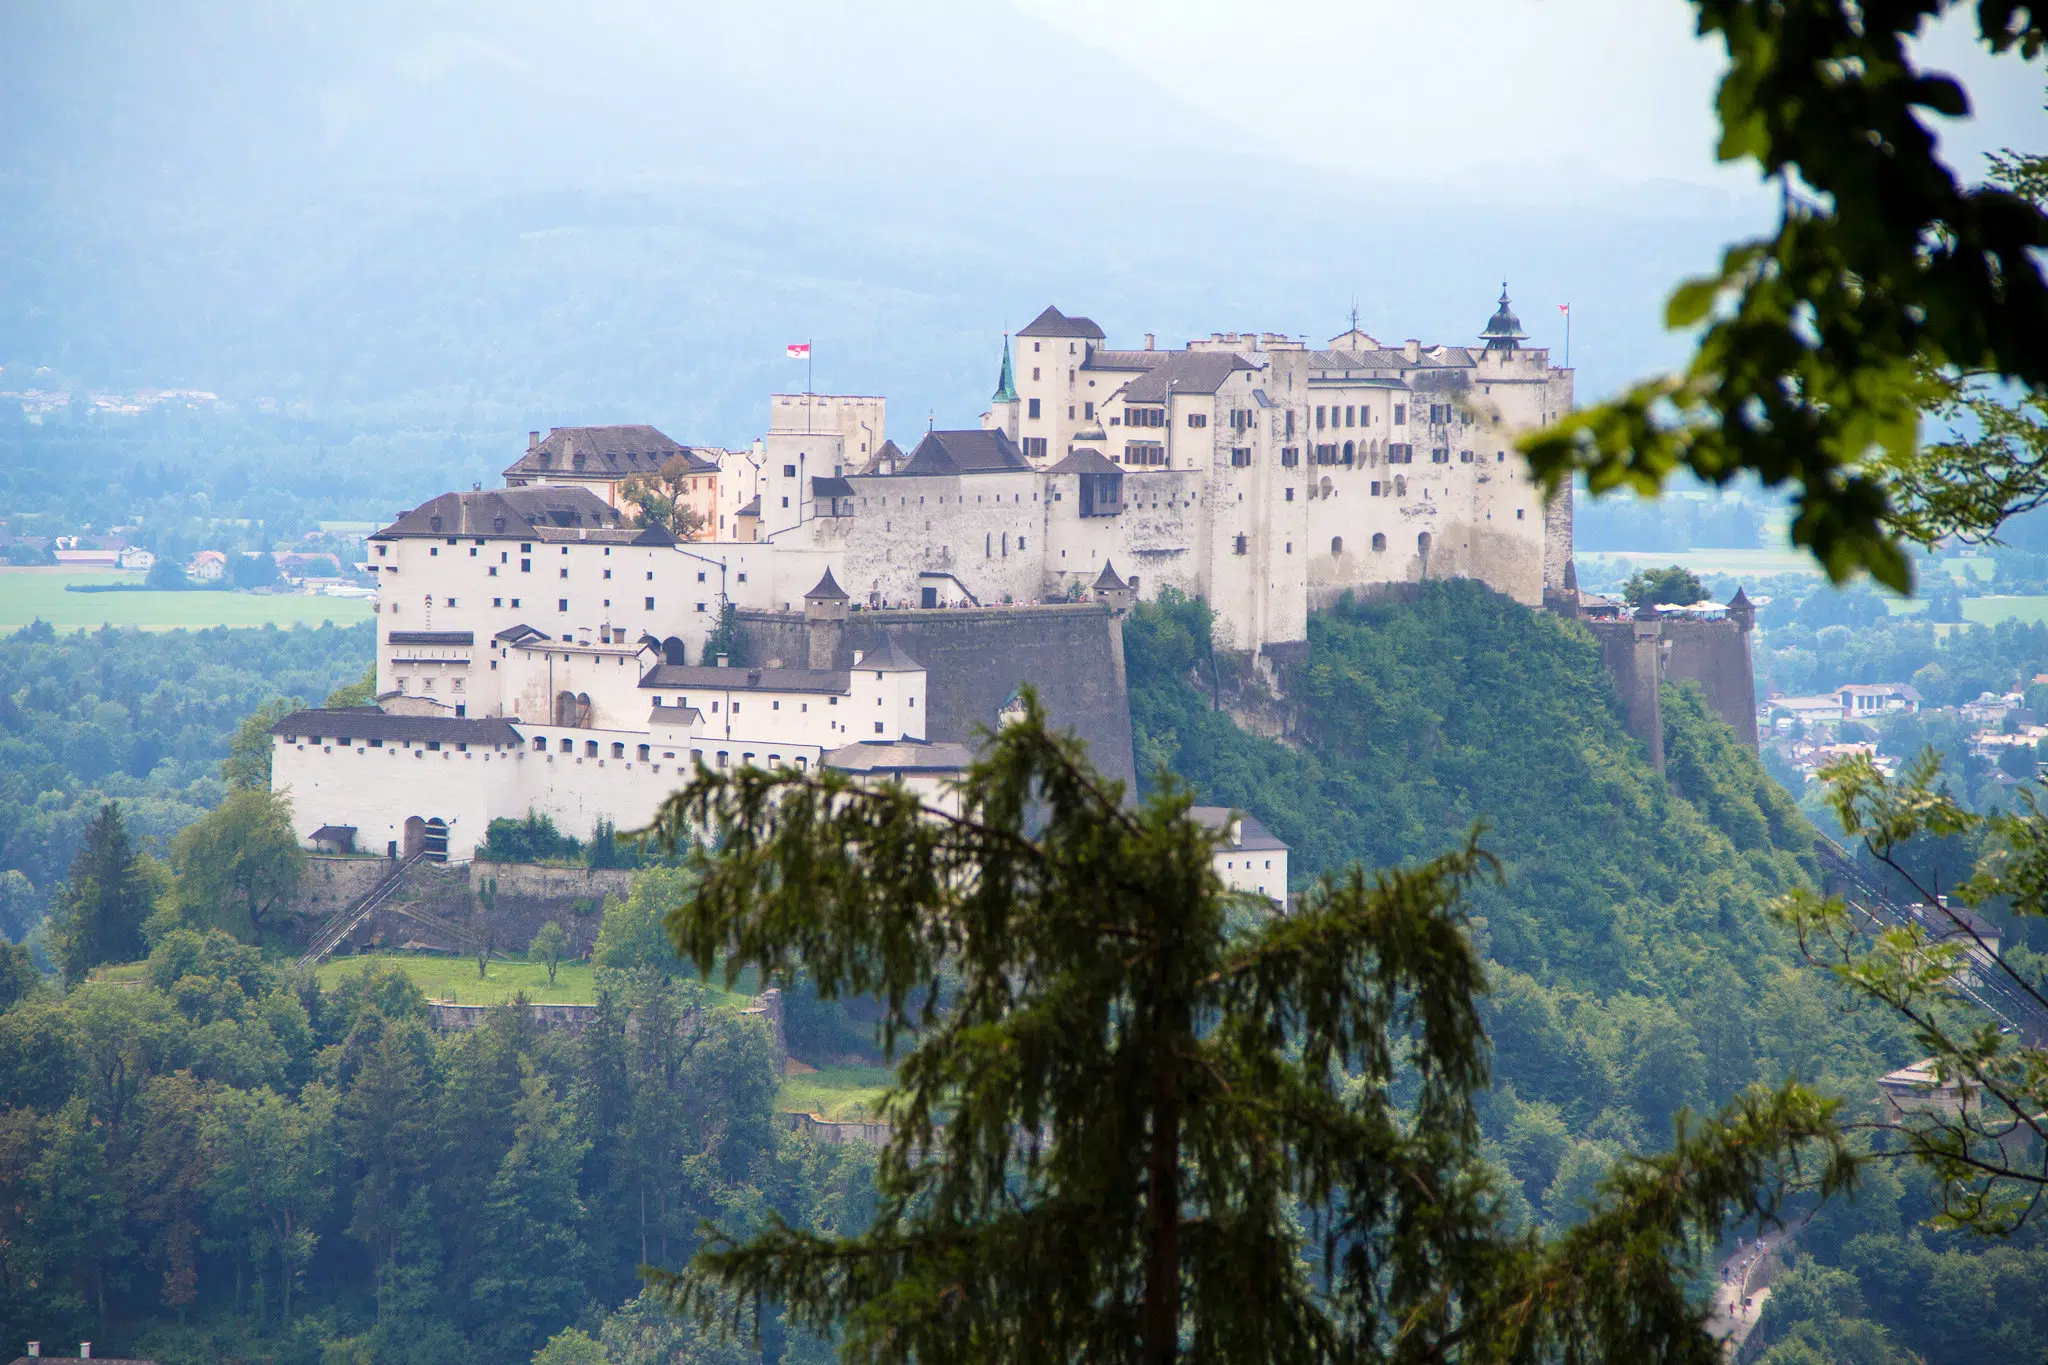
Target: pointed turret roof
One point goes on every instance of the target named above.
(1108, 581)
(1740, 602)
(1006, 386)
(1503, 329)
(828, 590)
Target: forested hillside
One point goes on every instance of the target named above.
(142, 718)
(1638, 969)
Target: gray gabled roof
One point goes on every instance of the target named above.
(887, 658)
(1252, 836)
(616, 452)
(964, 452)
(370, 722)
(431, 637)
(1086, 462)
(1184, 372)
(1053, 323)
(519, 634)
(670, 677)
(555, 513)
(1125, 360)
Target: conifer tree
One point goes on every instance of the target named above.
(531, 1256)
(104, 902)
(1148, 1120)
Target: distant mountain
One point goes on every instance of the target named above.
(492, 218)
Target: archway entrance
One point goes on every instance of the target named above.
(415, 834)
(437, 840)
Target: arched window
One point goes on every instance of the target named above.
(583, 708)
(1422, 542)
(672, 652)
(590, 748)
(988, 546)
(1379, 540)
(568, 746)
(565, 708)
(1348, 452)
(1242, 545)
(540, 744)
(618, 751)
(1400, 485)
(644, 751)
(1325, 486)
(1336, 545)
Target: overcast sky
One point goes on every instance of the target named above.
(1546, 96)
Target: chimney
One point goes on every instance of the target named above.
(858, 655)
(533, 440)
(35, 1349)
(725, 661)
(85, 1350)
(1412, 349)
(1148, 341)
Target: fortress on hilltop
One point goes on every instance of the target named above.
(555, 645)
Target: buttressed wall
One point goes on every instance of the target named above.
(1643, 655)
(976, 659)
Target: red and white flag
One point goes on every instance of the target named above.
(1564, 308)
(800, 350)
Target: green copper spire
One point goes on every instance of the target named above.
(1006, 387)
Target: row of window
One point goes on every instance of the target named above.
(1242, 544)
(1144, 417)
(1144, 453)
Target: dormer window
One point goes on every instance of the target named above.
(434, 522)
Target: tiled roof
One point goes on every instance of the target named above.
(829, 487)
(604, 453)
(1125, 360)
(519, 634)
(558, 513)
(964, 452)
(887, 658)
(369, 722)
(431, 637)
(675, 715)
(1252, 836)
(1053, 323)
(1085, 462)
(669, 677)
(1185, 372)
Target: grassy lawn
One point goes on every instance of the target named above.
(454, 980)
(835, 1092)
(31, 594)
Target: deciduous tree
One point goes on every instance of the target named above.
(548, 948)
(1815, 340)
(240, 863)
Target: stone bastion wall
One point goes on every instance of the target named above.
(976, 658)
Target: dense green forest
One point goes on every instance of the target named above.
(142, 717)
(223, 1162)
(1637, 967)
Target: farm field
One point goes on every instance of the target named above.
(1741, 563)
(840, 1093)
(32, 594)
(1991, 610)
(453, 980)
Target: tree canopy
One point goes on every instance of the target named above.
(1815, 340)
(1139, 1118)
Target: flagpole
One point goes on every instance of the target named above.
(807, 379)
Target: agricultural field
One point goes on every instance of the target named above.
(1741, 563)
(1990, 611)
(839, 1093)
(30, 594)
